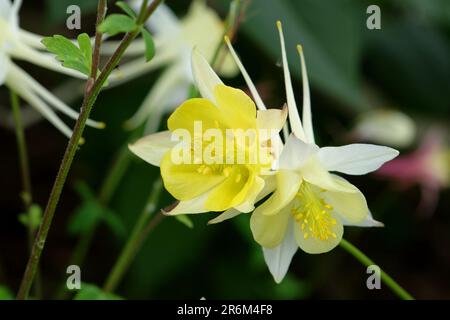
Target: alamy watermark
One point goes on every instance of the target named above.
(222, 146)
(73, 21)
(74, 279)
(374, 280)
(373, 22)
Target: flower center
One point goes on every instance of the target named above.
(214, 169)
(313, 214)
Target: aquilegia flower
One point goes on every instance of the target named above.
(16, 43)
(208, 181)
(310, 205)
(174, 39)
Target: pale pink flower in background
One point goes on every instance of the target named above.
(428, 167)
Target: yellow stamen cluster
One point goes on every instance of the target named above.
(217, 169)
(313, 214)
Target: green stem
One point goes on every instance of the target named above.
(231, 25)
(134, 243)
(361, 257)
(92, 91)
(22, 149)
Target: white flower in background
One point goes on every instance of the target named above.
(16, 43)
(174, 39)
(310, 206)
(385, 126)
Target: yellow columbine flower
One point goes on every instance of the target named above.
(16, 43)
(204, 184)
(310, 205)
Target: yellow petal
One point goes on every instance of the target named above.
(288, 183)
(198, 110)
(272, 119)
(314, 245)
(193, 206)
(187, 181)
(230, 213)
(232, 191)
(351, 206)
(269, 231)
(255, 189)
(237, 107)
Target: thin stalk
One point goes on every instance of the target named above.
(231, 26)
(137, 237)
(27, 194)
(366, 261)
(88, 102)
(22, 150)
(101, 13)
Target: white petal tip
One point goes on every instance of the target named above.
(133, 147)
(277, 279)
(378, 224)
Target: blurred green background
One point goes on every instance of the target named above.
(406, 63)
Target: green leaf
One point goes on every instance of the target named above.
(33, 216)
(149, 45)
(84, 218)
(84, 191)
(69, 54)
(92, 292)
(5, 293)
(184, 219)
(126, 8)
(117, 23)
(114, 222)
(84, 42)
